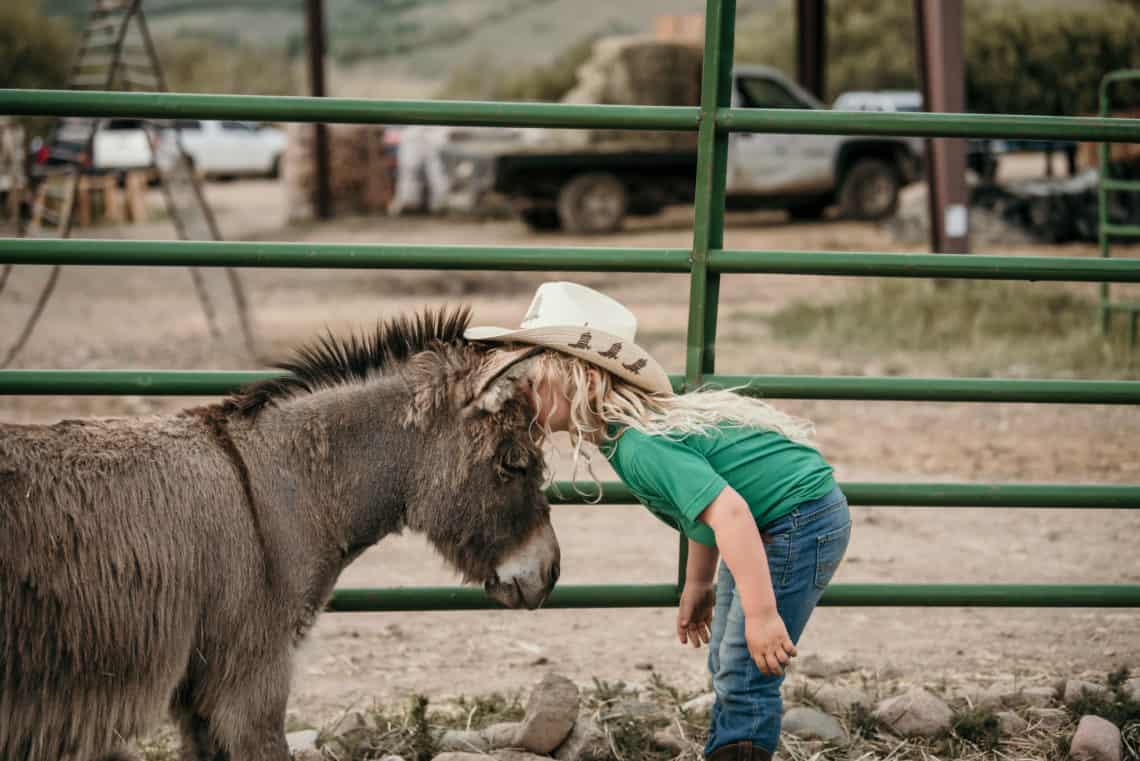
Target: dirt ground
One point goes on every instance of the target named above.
(148, 318)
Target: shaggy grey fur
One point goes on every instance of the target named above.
(174, 563)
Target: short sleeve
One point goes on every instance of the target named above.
(668, 468)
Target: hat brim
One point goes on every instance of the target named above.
(622, 357)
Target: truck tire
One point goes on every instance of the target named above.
(592, 204)
(870, 191)
(541, 219)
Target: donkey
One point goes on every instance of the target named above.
(175, 562)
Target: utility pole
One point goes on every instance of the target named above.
(315, 22)
(941, 70)
(811, 46)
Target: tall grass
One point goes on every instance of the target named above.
(976, 328)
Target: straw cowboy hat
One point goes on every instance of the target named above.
(577, 320)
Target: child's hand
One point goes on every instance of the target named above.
(769, 643)
(694, 614)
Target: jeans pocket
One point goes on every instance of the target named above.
(829, 551)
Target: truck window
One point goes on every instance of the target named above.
(764, 93)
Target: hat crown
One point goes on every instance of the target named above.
(562, 304)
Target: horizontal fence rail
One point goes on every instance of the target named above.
(148, 253)
(703, 263)
(660, 595)
(282, 108)
(219, 382)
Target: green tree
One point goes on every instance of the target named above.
(1031, 58)
(35, 51)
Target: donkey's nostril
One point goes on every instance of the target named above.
(555, 571)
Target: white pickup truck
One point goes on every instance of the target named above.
(592, 188)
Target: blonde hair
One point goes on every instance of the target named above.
(599, 399)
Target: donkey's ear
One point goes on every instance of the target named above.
(498, 378)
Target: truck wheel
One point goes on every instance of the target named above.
(870, 191)
(592, 204)
(541, 219)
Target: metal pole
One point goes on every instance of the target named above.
(316, 37)
(811, 46)
(942, 72)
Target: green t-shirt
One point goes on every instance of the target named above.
(677, 478)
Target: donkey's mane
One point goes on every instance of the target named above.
(332, 361)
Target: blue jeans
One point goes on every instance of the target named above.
(806, 548)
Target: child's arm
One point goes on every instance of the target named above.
(739, 542)
(694, 613)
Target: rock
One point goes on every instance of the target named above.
(669, 740)
(994, 697)
(1131, 689)
(1039, 697)
(513, 755)
(391, 757)
(1096, 739)
(1076, 689)
(1050, 718)
(838, 700)
(353, 723)
(309, 754)
(305, 739)
(587, 742)
(814, 666)
(550, 714)
(465, 740)
(700, 704)
(1011, 724)
(459, 756)
(810, 724)
(915, 713)
(505, 734)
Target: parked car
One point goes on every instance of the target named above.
(215, 147)
(232, 148)
(590, 188)
(119, 145)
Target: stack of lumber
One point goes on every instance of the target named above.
(360, 169)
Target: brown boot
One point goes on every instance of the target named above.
(739, 751)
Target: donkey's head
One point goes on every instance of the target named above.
(479, 497)
(445, 426)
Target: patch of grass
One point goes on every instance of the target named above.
(862, 722)
(979, 327)
(484, 710)
(980, 727)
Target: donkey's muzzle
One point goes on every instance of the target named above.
(526, 576)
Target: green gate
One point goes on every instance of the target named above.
(705, 262)
(1106, 230)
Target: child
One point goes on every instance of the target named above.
(735, 475)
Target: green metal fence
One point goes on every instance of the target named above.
(1106, 230)
(705, 262)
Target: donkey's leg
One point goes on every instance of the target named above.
(251, 722)
(119, 755)
(197, 742)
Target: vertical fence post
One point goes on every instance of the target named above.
(1102, 208)
(708, 225)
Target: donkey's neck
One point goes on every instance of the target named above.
(332, 468)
